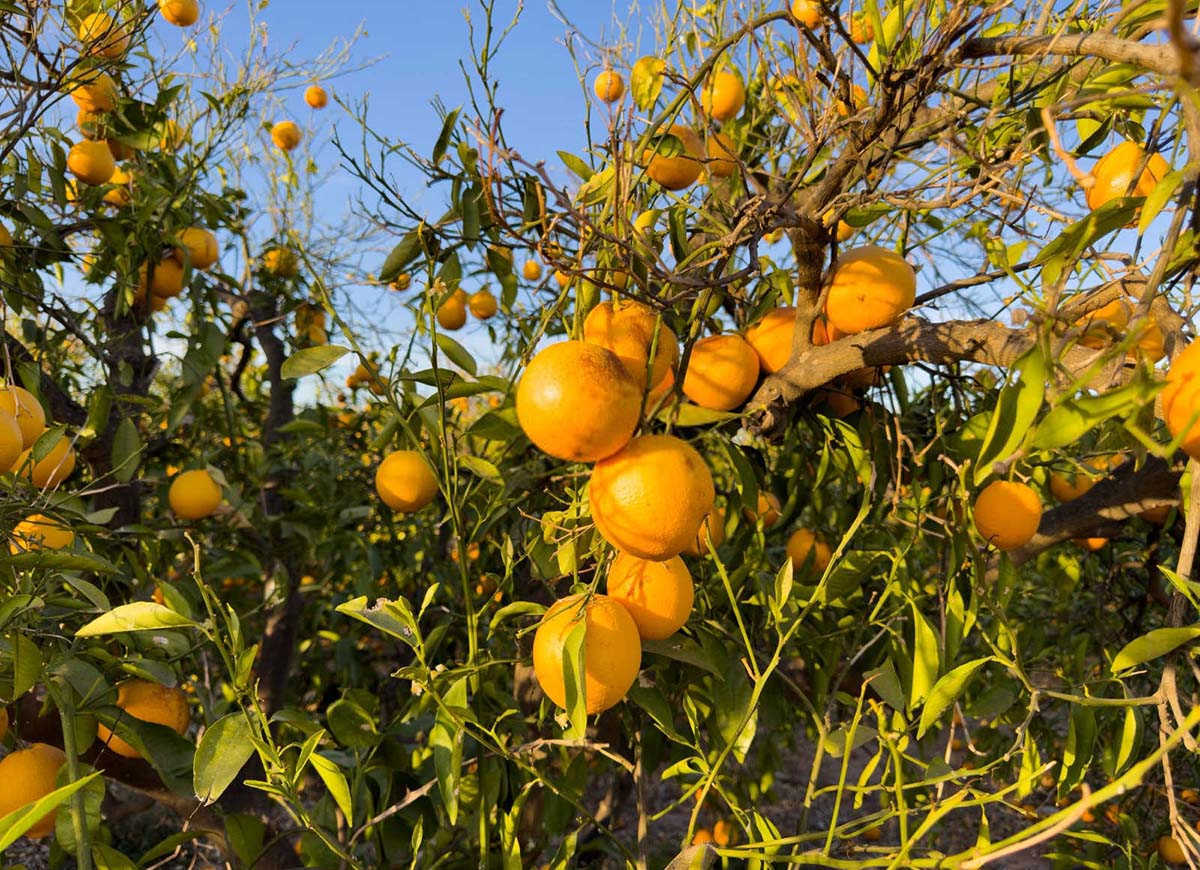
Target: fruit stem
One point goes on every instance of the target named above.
(1085, 179)
(83, 841)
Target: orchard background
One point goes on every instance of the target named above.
(770, 444)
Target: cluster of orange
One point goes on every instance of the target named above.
(452, 313)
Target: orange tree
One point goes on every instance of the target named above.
(818, 501)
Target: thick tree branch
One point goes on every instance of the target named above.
(1161, 59)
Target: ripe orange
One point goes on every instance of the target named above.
(709, 536)
(166, 282)
(680, 170)
(1152, 343)
(612, 650)
(858, 101)
(767, 509)
(405, 481)
(402, 282)
(147, 702)
(11, 442)
(862, 30)
(702, 836)
(628, 330)
(452, 314)
(871, 287)
(532, 270)
(22, 404)
(807, 13)
(658, 595)
(483, 303)
(1181, 399)
(316, 97)
(1170, 851)
(1007, 514)
(194, 495)
(103, 36)
(609, 86)
(721, 373)
(29, 775)
(1070, 485)
(723, 833)
(40, 532)
(1092, 544)
(771, 337)
(121, 194)
(650, 498)
(281, 262)
(576, 401)
(804, 545)
(286, 135)
(1112, 176)
(723, 96)
(54, 468)
(95, 93)
(1100, 326)
(181, 13)
(562, 279)
(199, 245)
(722, 156)
(91, 162)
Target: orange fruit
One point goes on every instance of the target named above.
(858, 101)
(483, 304)
(1007, 514)
(612, 650)
(721, 372)
(95, 93)
(405, 481)
(576, 401)
(199, 245)
(723, 96)
(628, 330)
(650, 498)
(862, 30)
(771, 338)
(121, 194)
(181, 13)
(147, 702)
(873, 835)
(452, 314)
(280, 262)
(1152, 343)
(23, 405)
(286, 135)
(28, 776)
(532, 270)
(1181, 399)
(804, 545)
(609, 86)
(103, 36)
(871, 287)
(702, 836)
(807, 13)
(677, 171)
(11, 441)
(722, 156)
(402, 282)
(91, 162)
(767, 509)
(1170, 851)
(658, 595)
(1068, 486)
(723, 833)
(1091, 544)
(709, 536)
(40, 532)
(194, 495)
(562, 279)
(1112, 176)
(1099, 326)
(316, 97)
(54, 468)
(6, 238)
(166, 282)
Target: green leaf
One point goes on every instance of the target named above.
(575, 164)
(1158, 198)
(925, 664)
(456, 353)
(574, 668)
(945, 691)
(693, 415)
(27, 665)
(480, 467)
(682, 649)
(1131, 733)
(596, 188)
(223, 750)
(63, 560)
(392, 617)
(1077, 755)
(127, 444)
(1016, 409)
(443, 139)
(408, 249)
(446, 740)
(1152, 645)
(335, 781)
(246, 835)
(16, 823)
(108, 858)
(138, 616)
(351, 725)
(650, 699)
(311, 360)
(516, 608)
(1072, 419)
(646, 81)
